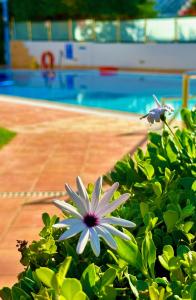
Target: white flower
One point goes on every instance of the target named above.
(89, 218)
(155, 114)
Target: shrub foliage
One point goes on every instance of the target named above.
(159, 261)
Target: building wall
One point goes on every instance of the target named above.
(137, 56)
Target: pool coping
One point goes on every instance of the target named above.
(69, 107)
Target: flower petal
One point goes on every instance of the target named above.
(115, 231)
(79, 202)
(117, 221)
(108, 208)
(157, 101)
(73, 230)
(96, 194)
(94, 240)
(107, 196)
(106, 235)
(67, 208)
(82, 241)
(82, 192)
(68, 222)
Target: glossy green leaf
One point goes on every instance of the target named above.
(168, 253)
(70, 288)
(181, 250)
(132, 286)
(109, 293)
(5, 293)
(144, 208)
(149, 252)
(80, 296)
(153, 293)
(171, 151)
(89, 278)
(147, 169)
(64, 267)
(129, 252)
(193, 291)
(47, 276)
(157, 188)
(46, 219)
(174, 263)
(170, 217)
(187, 211)
(18, 294)
(188, 226)
(108, 277)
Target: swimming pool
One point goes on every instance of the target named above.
(123, 91)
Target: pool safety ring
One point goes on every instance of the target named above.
(47, 60)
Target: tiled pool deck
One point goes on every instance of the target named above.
(52, 147)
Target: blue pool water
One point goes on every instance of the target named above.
(124, 91)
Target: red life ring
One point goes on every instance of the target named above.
(47, 60)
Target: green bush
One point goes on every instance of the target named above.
(157, 263)
(6, 136)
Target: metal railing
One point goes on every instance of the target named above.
(186, 96)
(185, 88)
(130, 31)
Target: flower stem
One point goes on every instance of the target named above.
(175, 137)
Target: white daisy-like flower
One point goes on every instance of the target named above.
(88, 216)
(155, 114)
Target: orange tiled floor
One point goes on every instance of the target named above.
(51, 147)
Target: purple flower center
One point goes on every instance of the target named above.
(91, 220)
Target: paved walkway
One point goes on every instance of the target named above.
(51, 147)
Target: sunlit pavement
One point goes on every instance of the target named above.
(51, 147)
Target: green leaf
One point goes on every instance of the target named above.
(188, 118)
(187, 211)
(64, 267)
(48, 277)
(167, 175)
(44, 295)
(5, 293)
(153, 293)
(157, 188)
(170, 217)
(168, 253)
(70, 288)
(144, 208)
(181, 250)
(132, 286)
(193, 187)
(193, 291)
(80, 296)
(171, 151)
(46, 219)
(174, 263)
(147, 169)
(149, 252)
(109, 293)
(18, 293)
(108, 277)
(128, 251)
(89, 278)
(188, 226)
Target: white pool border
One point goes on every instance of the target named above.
(67, 107)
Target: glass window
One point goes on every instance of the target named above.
(160, 30)
(20, 31)
(132, 31)
(105, 31)
(40, 31)
(186, 29)
(83, 30)
(59, 31)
